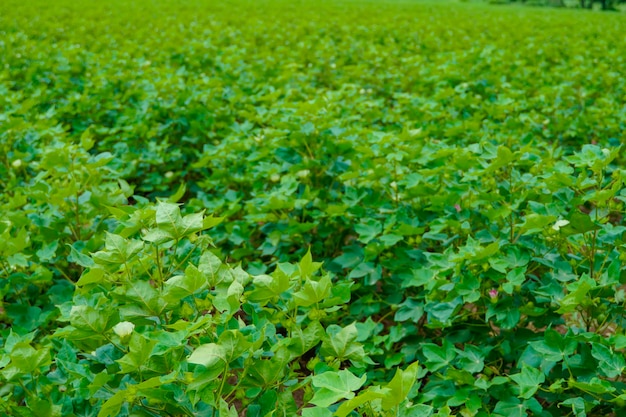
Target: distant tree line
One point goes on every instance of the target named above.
(606, 4)
(583, 4)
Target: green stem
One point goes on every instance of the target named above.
(114, 344)
(146, 269)
(26, 390)
(241, 378)
(127, 272)
(592, 255)
(76, 231)
(224, 377)
(174, 269)
(6, 270)
(77, 211)
(158, 262)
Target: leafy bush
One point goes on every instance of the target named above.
(170, 172)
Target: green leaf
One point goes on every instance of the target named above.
(124, 248)
(308, 128)
(210, 265)
(192, 223)
(44, 408)
(334, 386)
(90, 320)
(227, 298)
(317, 412)
(303, 340)
(410, 310)
(511, 407)
(577, 406)
(113, 405)
(144, 297)
(581, 223)
(140, 350)
(313, 292)
(390, 240)
(172, 226)
(268, 287)
(417, 410)
(351, 257)
(536, 223)
(362, 269)
(91, 276)
(421, 276)
(180, 192)
(515, 278)
(307, 267)
(578, 292)
(398, 388)
(438, 357)
(79, 258)
(28, 359)
(529, 381)
(182, 286)
(472, 359)
(99, 381)
(611, 364)
(368, 230)
(594, 385)
(209, 222)
(504, 157)
(158, 236)
(365, 397)
(169, 220)
(554, 347)
(341, 343)
(209, 355)
(233, 344)
(48, 252)
(266, 372)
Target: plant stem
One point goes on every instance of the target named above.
(158, 262)
(223, 382)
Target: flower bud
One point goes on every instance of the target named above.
(124, 329)
(560, 223)
(303, 173)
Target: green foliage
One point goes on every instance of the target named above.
(312, 208)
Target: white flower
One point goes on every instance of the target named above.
(17, 163)
(303, 173)
(124, 329)
(169, 174)
(560, 223)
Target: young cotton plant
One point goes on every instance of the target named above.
(159, 325)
